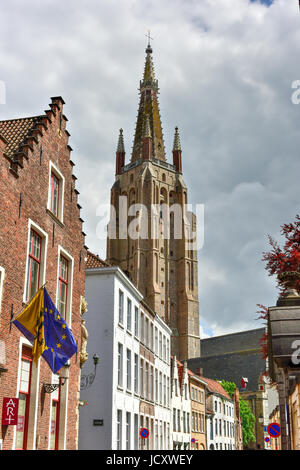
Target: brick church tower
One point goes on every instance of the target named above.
(148, 198)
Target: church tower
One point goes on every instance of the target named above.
(150, 225)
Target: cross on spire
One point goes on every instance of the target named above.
(149, 37)
(149, 48)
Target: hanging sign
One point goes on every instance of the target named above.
(10, 411)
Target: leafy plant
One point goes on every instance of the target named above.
(247, 417)
(286, 259)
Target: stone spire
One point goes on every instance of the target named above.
(148, 111)
(121, 147)
(120, 154)
(176, 145)
(177, 162)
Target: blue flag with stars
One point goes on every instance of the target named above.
(60, 344)
(45, 328)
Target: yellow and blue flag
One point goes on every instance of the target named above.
(45, 328)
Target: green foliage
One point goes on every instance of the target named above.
(247, 417)
(229, 387)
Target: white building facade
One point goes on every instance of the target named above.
(110, 420)
(130, 389)
(181, 406)
(220, 425)
(162, 345)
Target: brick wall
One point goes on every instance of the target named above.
(29, 177)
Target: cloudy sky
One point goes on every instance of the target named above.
(225, 71)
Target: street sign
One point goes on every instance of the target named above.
(274, 430)
(144, 433)
(97, 422)
(10, 411)
(267, 439)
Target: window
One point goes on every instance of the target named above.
(151, 384)
(24, 398)
(119, 429)
(164, 349)
(156, 385)
(151, 336)
(55, 408)
(128, 430)
(142, 332)
(216, 427)
(216, 406)
(156, 435)
(174, 419)
(64, 283)
(121, 307)
(160, 345)
(188, 422)
(1, 284)
(156, 341)
(56, 192)
(120, 365)
(136, 373)
(160, 388)
(136, 321)
(63, 286)
(147, 333)
(54, 201)
(147, 380)
(161, 435)
(168, 351)
(165, 391)
(142, 377)
(136, 431)
(168, 391)
(128, 314)
(175, 386)
(34, 264)
(128, 369)
(184, 421)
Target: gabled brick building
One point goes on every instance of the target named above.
(41, 241)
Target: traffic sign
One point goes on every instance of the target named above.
(267, 439)
(144, 433)
(274, 430)
(193, 440)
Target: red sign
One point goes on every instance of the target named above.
(10, 411)
(144, 433)
(274, 430)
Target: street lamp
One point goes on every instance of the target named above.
(87, 380)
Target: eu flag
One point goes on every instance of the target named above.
(45, 328)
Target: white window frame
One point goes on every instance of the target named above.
(2, 275)
(34, 397)
(70, 259)
(33, 226)
(61, 179)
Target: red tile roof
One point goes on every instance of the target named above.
(94, 261)
(16, 131)
(215, 387)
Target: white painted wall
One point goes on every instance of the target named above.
(104, 397)
(221, 441)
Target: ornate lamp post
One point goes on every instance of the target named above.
(87, 380)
